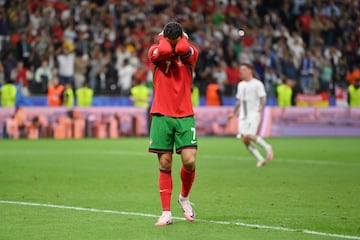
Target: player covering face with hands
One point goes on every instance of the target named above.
(173, 123)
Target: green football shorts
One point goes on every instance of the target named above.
(165, 132)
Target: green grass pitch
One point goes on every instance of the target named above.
(107, 189)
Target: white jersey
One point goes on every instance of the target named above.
(249, 93)
(66, 64)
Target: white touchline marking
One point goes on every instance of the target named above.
(178, 218)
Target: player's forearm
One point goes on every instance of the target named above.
(235, 110)
(160, 52)
(262, 104)
(164, 47)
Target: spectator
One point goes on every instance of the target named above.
(20, 76)
(259, 66)
(233, 77)
(213, 94)
(268, 58)
(219, 74)
(326, 76)
(101, 85)
(354, 94)
(271, 80)
(284, 93)
(329, 33)
(331, 10)
(140, 94)
(80, 69)
(95, 64)
(54, 93)
(2, 74)
(333, 54)
(106, 81)
(287, 66)
(43, 76)
(296, 47)
(353, 75)
(285, 15)
(66, 60)
(121, 53)
(70, 33)
(9, 64)
(84, 95)
(24, 50)
(307, 70)
(303, 25)
(340, 72)
(37, 29)
(316, 28)
(36, 18)
(4, 28)
(141, 73)
(8, 94)
(68, 98)
(195, 95)
(125, 77)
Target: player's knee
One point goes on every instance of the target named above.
(189, 163)
(189, 158)
(246, 139)
(165, 162)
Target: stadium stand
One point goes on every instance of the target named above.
(313, 43)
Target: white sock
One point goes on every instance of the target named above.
(183, 198)
(255, 152)
(168, 213)
(262, 143)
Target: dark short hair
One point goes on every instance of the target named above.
(173, 30)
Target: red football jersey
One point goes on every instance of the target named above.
(172, 78)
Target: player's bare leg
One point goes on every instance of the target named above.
(269, 152)
(253, 150)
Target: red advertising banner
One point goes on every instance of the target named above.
(314, 100)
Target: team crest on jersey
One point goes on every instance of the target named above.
(155, 52)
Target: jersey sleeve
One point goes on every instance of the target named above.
(238, 91)
(261, 89)
(182, 48)
(191, 57)
(161, 51)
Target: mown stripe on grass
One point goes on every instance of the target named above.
(144, 153)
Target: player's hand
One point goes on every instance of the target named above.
(231, 115)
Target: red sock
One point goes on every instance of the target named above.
(165, 189)
(187, 178)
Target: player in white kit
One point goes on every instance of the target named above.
(250, 103)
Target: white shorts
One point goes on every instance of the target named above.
(249, 125)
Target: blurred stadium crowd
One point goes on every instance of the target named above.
(312, 44)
